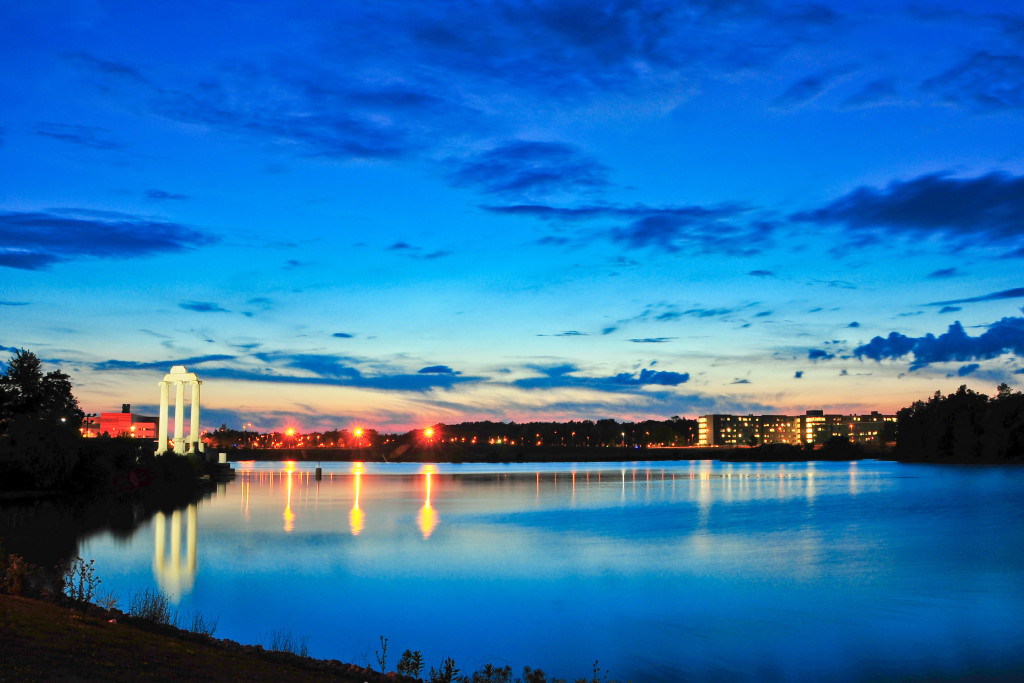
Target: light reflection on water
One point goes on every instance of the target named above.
(702, 570)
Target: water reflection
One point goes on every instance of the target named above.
(174, 576)
(427, 518)
(355, 515)
(705, 570)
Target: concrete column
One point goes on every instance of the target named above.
(194, 435)
(179, 417)
(161, 443)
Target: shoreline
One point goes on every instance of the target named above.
(41, 640)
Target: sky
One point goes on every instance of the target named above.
(401, 213)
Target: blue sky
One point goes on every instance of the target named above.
(399, 213)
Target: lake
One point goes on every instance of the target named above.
(692, 570)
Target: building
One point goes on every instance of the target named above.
(124, 423)
(813, 428)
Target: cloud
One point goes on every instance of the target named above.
(987, 209)
(854, 324)
(984, 82)
(965, 370)
(807, 88)
(1015, 293)
(942, 273)
(92, 137)
(559, 376)
(526, 168)
(161, 195)
(876, 92)
(203, 307)
(38, 240)
(739, 380)
(798, 374)
(608, 330)
(437, 370)
(14, 303)
(761, 273)
(343, 335)
(819, 354)
(950, 309)
(1006, 335)
(160, 365)
(653, 340)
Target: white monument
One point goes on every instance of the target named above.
(179, 377)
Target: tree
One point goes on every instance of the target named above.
(26, 391)
(39, 420)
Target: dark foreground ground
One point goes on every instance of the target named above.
(41, 641)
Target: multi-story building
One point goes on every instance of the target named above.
(812, 428)
(126, 423)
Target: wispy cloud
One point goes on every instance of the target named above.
(203, 307)
(564, 375)
(983, 82)
(988, 209)
(1016, 293)
(93, 137)
(38, 240)
(524, 168)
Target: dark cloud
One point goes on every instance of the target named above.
(162, 195)
(876, 92)
(819, 354)
(1006, 335)
(567, 333)
(343, 335)
(763, 314)
(983, 82)
(93, 137)
(987, 209)
(203, 307)
(652, 340)
(1015, 293)
(14, 303)
(524, 168)
(950, 309)
(798, 374)
(739, 380)
(437, 370)
(965, 370)
(761, 273)
(854, 324)
(608, 330)
(37, 240)
(719, 229)
(942, 273)
(400, 246)
(562, 376)
(807, 88)
(161, 365)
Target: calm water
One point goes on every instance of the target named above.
(662, 571)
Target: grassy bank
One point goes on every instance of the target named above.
(42, 641)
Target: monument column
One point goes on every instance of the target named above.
(194, 434)
(161, 443)
(179, 417)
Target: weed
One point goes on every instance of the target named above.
(534, 675)
(491, 674)
(152, 606)
(196, 622)
(80, 581)
(411, 663)
(382, 655)
(447, 673)
(283, 640)
(107, 600)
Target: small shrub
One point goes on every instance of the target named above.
(16, 574)
(492, 674)
(152, 606)
(534, 675)
(411, 663)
